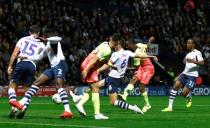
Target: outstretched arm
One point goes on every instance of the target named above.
(146, 56)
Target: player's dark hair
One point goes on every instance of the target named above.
(116, 37)
(34, 29)
(193, 41)
(122, 43)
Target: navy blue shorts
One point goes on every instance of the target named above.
(59, 71)
(114, 84)
(24, 71)
(187, 81)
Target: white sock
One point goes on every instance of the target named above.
(12, 94)
(172, 96)
(64, 99)
(131, 107)
(67, 108)
(171, 101)
(23, 100)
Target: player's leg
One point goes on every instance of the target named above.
(59, 73)
(96, 100)
(79, 105)
(75, 98)
(64, 98)
(12, 99)
(29, 78)
(136, 77)
(21, 113)
(18, 73)
(128, 88)
(188, 96)
(21, 101)
(190, 83)
(145, 79)
(95, 85)
(123, 105)
(85, 97)
(173, 93)
(26, 100)
(143, 91)
(112, 88)
(33, 89)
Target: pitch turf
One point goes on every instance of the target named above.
(44, 114)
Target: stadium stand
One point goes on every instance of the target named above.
(85, 23)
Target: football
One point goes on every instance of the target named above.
(56, 99)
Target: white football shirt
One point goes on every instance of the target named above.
(120, 60)
(191, 69)
(30, 47)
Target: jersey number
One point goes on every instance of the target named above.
(29, 49)
(59, 71)
(123, 64)
(191, 84)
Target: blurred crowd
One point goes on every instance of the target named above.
(83, 24)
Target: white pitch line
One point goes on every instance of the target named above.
(54, 125)
(204, 105)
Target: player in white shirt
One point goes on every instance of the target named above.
(58, 70)
(187, 78)
(24, 70)
(118, 64)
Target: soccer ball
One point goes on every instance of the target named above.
(56, 99)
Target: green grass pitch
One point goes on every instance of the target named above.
(44, 114)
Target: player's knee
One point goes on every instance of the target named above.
(95, 89)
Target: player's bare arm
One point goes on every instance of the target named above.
(42, 39)
(103, 68)
(12, 59)
(146, 56)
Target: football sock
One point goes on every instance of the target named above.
(84, 98)
(31, 92)
(122, 104)
(171, 98)
(12, 94)
(27, 103)
(146, 100)
(96, 102)
(23, 100)
(128, 89)
(64, 98)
